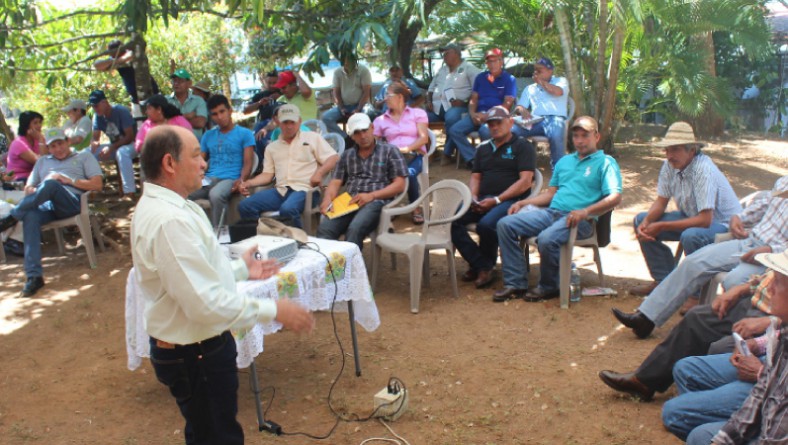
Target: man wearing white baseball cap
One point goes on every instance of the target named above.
(373, 173)
(78, 127)
(53, 192)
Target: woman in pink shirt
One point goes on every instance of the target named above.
(405, 128)
(29, 144)
(159, 111)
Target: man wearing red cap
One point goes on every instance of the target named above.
(490, 88)
(296, 91)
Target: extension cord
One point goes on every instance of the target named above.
(389, 404)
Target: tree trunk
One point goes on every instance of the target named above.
(599, 76)
(408, 32)
(567, 48)
(141, 66)
(406, 40)
(709, 124)
(5, 129)
(609, 104)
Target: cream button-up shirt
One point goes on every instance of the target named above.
(186, 280)
(294, 163)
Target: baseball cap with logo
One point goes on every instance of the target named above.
(54, 134)
(358, 121)
(285, 79)
(96, 97)
(181, 74)
(495, 52)
(545, 62)
(288, 112)
(587, 123)
(497, 113)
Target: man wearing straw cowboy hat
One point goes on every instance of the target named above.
(704, 198)
(768, 216)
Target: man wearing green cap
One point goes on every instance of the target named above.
(192, 107)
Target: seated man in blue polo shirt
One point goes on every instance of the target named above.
(490, 88)
(547, 97)
(587, 182)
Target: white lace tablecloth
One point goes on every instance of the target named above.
(305, 279)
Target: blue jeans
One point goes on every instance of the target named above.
(484, 255)
(356, 226)
(549, 226)
(659, 258)
(124, 155)
(697, 269)
(710, 391)
(415, 166)
(458, 133)
(291, 205)
(218, 192)
(703, 434)
(449, 118)
(51, 201)
(334, 115)
(203, 379)
(552, 127)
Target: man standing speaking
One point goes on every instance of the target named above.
(188, 284)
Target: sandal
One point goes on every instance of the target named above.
(418, 217)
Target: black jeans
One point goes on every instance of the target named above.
(203, 378)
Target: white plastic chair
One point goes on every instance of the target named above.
(316, 125)
(335, 140)
(449, 199)
(565, 261)
(82, 221)
(424, 176)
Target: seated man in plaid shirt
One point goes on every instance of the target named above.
(373, 173)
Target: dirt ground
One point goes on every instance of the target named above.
(477, 372)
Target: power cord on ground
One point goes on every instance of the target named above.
(390, 407)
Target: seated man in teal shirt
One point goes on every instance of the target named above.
(587, 182)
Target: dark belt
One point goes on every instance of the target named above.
(207, 343)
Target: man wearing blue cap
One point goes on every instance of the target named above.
(116, 122)
(547, 97)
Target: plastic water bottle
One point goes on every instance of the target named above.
(575, 289)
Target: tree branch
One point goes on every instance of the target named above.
(87, 12)
(60, 43)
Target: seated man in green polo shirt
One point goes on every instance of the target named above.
(587, 182)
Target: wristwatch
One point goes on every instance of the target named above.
(497, 200)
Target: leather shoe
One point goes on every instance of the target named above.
(540, 294)
(7, 222)
(643, 290)
(33, 285)
(506, 294)
(469, 275)
(485, 278)
(627, 383)
(639, 323)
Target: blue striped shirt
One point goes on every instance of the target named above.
(700, 186)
